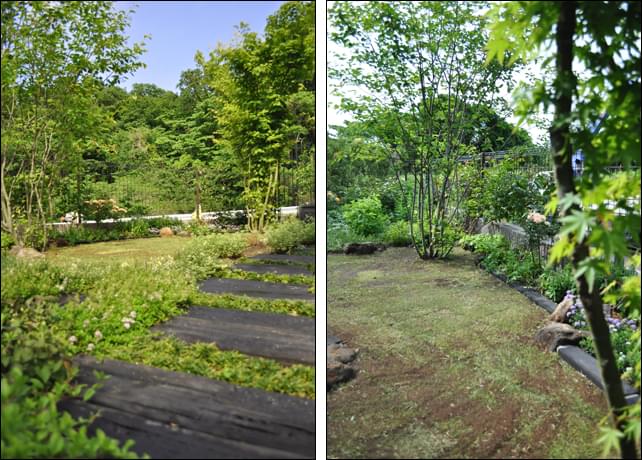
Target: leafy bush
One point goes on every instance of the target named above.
(555, 282)
(196, 228)
(7, 241)
(289, 234)
(483, 243)
(397, 234)
(339, 234)
(365, 216)
(100, 210)
(138, 228)
(202, 256)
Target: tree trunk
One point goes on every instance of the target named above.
(565, 84)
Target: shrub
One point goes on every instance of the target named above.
(7, 241)
(554, 283)
(201, 257)
(196, 228)
(365, 216)
(138, 228)
(289, 234)
(397, 234)
(484, 243)
(225, 245)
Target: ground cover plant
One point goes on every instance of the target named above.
(111, 303)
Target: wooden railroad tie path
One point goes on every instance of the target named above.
(260, 289)
(279, 269)
(178, 415)
(269, 335)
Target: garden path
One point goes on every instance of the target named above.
(177, 415)
(448, 367)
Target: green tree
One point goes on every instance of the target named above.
(263, 102)
(420, 72)
(601, 210)
(55, 58)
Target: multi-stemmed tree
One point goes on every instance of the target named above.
(417, 72)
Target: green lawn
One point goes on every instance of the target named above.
(448, 366)
(141, 249)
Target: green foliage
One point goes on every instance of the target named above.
(33, 376)
(265, 87)
(397, 234)
(196, 228)
(498, 257)
(57, 56)
(202, 256)
(339, 234)
(7, 241)
(289, 234)
(289, 307)
(407, 59)
(139, 228)
(601, 220)
(554, 283)
(207, 360)
(365, 216)
(484, 243)
(32, 426)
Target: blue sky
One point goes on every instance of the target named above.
(180, 28)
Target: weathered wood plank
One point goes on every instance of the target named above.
(279, 269)
(295, 324)
(281, 337)
(286, 258)
(166, 440)
(259, 289)
(181, 415)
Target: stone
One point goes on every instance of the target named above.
(154, 230)
(337, 372)
(553, 335)
(166, 231)
(559, 314)
(338, 358)
(182, 233)
(343, 355)
(26, 253)
(363, 248)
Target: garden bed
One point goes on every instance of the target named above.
(577, 357)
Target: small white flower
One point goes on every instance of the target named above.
(127, 325)
(98, 334)
(132, 314)
(90, 347)
(73, 339)
(85, 323)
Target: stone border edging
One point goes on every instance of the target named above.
(578, 358)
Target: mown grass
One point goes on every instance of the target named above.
(135, 250)
(448, 367)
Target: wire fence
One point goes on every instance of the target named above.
(149, 190)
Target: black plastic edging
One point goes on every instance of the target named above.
(578, 358)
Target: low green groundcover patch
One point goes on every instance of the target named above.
(122, 298)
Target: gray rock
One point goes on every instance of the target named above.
(363, 248)
(559, 314)
(26, 253)
(338, 357)
(182, 233)
(337, 372)
(553, 335)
